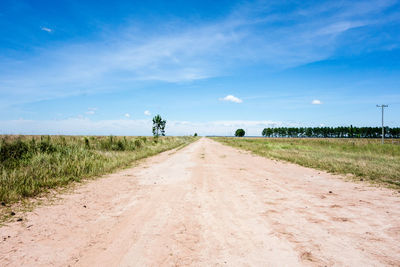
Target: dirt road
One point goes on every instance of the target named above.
(206, 205)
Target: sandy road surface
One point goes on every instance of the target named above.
(207, 205)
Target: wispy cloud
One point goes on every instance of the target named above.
(251, 34)
(316, 102)
(127, 115)
(46, 29)
(147, 113)
(91, 111)
(231, 98)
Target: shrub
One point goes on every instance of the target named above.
(87, 143)
(120, 146)
(138, 143)
(46, 147)
(13, 151)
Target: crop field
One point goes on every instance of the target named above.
(365, 159)
(30, 165)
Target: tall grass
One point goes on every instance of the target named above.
(363, 158)
(30, 165)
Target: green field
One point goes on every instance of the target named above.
(366, 159)
(30, 165)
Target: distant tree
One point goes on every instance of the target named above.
(158, 126)
(351, 131)
(195, 134)
(240, 133)
(270, 132)
(264, 132)
(267, 132)
(309, 132)
(331, 132)
(301, 132)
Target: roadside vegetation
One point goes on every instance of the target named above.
(30, 165)
(366, 159)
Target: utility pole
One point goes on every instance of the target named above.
(383, 129)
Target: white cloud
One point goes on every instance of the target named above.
(339, 27)
(251, 34)
(46, 29)
(231, 98)
(316, 102)
(127, 115)
(82, 126)
(91, 111)
(147, 113)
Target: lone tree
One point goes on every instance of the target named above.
(158, 126)
(240, 133)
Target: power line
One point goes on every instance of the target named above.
(383, 129)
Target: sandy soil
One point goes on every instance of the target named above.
(208, 205)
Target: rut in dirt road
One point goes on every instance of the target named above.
(209, 204)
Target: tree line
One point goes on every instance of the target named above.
(331, 132)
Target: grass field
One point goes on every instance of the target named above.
(366, 159)
(30, 165)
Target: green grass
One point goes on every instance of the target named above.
(30, 165)
(363, 158)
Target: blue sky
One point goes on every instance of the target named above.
(106, 67)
